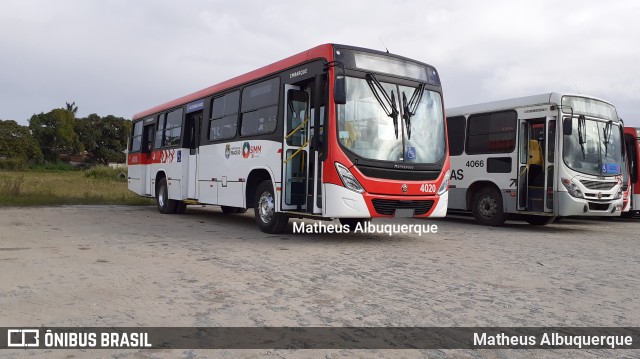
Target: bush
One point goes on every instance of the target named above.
(13, 164)
(106, 173)
(52, 167)
(11, 187)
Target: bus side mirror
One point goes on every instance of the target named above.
(567, 125)
(340, 90)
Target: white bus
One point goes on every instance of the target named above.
(332, 132)
(536, 158)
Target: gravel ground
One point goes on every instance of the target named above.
(122, 266)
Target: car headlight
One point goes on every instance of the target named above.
(444, 187)
(573, 188)
(348, 180)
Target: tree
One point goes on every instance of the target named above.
(104, 138)
(54, 131)
(16, 142)
(72, 107)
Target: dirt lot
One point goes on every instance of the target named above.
(131, 266)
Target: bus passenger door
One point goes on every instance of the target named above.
(192, 132)
(549, 162)
(523, 164)
(147, 148)
(532, 173)
(295, 146)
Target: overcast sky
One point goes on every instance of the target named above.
(119, 57)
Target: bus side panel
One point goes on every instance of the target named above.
(469, 169)
(225, 167)
(135, 169)
(168, 161)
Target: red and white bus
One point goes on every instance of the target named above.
(631, 137)
(332, 132)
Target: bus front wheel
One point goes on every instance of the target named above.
(487, 207)
(268, 220)
(165, 205)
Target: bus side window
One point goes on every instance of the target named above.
(159, 132)
(224, 116)
(259, 108)
(455, 134)
(136, 139)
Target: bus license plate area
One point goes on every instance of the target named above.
(404, 213)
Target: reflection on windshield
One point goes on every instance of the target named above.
(365, 129)
(600, 157)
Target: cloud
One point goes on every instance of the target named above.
(121, 57)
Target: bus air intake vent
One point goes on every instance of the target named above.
(388, 207)
(593, 206)
(597, 185)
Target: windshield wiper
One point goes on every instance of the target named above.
(410, 108)
(582, 128)
(389, 106)
(607, 136)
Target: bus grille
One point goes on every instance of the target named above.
(597, 185)
(388, 207)
(593, 206)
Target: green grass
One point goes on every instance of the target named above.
(98, 185)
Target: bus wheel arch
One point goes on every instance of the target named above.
(486, 203)
(256, 177)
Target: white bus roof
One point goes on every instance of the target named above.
(542, 99)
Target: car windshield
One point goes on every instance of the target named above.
(366, 129)
(594, 147)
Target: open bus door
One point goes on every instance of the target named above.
(295, 145)
(536, 164)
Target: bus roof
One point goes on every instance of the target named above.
(320, 51)
(545, 98)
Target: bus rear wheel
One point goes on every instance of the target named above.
(487, 207)
(165, 205)
(267, 219)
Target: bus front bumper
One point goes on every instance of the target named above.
(348, 204)
(571, 206)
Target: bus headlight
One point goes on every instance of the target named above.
(618, 195)
(573, 188)
(348, 179)
(444, 187)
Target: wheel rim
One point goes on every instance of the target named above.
(487, 206)
(161, 198)
(266, 208)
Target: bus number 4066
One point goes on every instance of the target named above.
(476, 163)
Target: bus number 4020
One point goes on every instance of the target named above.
(428, 187)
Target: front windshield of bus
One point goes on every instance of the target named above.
(594, 148)
(365, 128)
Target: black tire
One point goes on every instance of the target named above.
(487, 207)
(229, 210)
(180, 207)
(628, 214)
(267, 219)
(352, 223)
(165, 205)
(539, 220)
